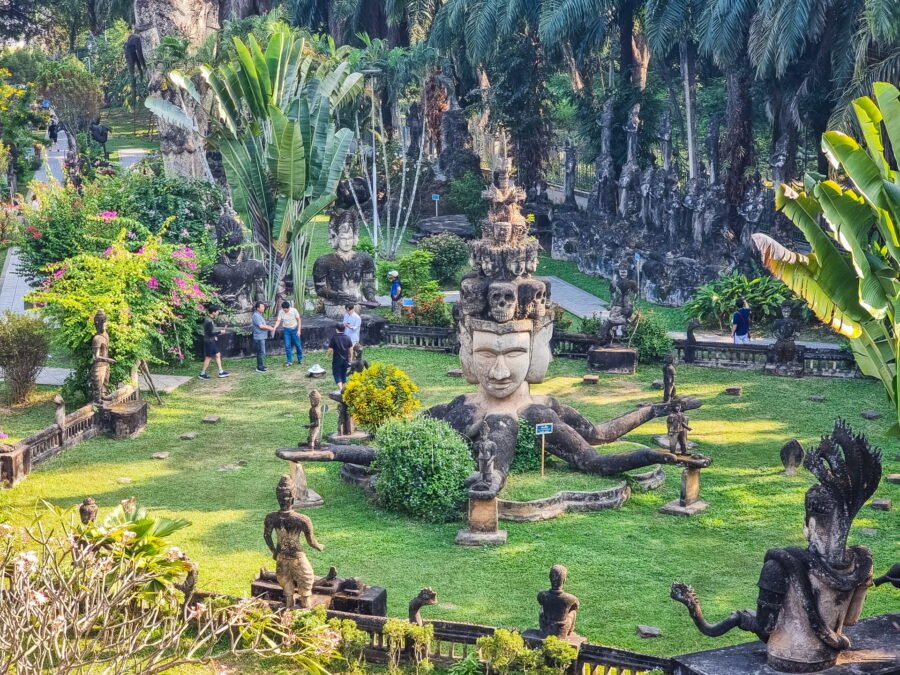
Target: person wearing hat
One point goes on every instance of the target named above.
(396, 290)
(260, 330)
(211, 343)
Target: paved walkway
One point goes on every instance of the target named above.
(55, 377)
(131, 156)
(13, 286)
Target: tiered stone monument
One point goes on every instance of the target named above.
(807, 596)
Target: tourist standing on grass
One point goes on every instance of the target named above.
(289, 320)
(352, 323)
(740, 323)
(211, 343)
(260, 330)
(340, 347)
(396, 290)
(53, 133)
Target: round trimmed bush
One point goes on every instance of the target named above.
(380, 393)
(422, 465)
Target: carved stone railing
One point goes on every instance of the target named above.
(834, 362)
(430, 338)
(16, 461)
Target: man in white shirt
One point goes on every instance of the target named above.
(289, 320)
(352, 323)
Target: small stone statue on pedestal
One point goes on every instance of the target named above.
(621, 308)
(102, 362)
(358, 364)
(346, 431)
(558, 610)
(807, 596)
(784, 350)
(486, 450)
(669, 378)
(294, 573)
(677, 428)
(313, 439)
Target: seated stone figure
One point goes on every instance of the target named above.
(239, 278)
(785, 329)
(558, 608)
(807, 596)
(344, 276)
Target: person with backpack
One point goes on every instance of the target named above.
(396, 291)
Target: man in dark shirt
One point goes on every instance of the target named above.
(340, 346)
(211, 343)
(740, 323)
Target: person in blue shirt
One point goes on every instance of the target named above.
(740, 323)
(396, 291)
(260, 332)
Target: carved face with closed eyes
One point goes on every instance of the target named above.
(501, 361)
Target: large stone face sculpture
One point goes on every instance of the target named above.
(345, 276)
(807, 596)
(505, 328)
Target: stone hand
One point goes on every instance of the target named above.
(318, 546)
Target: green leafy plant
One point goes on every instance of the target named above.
(428, 308)
(24, 345)
(527, 457)
(465, 197)
(560, 319)
(414, 269)
(75, 92)
(851, 279)
(394, 633)
(467, 666)
(422, 465)
(503, 651)
(151, 295)
(715, 302)
(283, 155)
(590, 324)
(650, 336)
(558, 654)
(450, 254)
(380, 393)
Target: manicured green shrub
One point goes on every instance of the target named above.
(380, 393)
(451, 253)
(590, 324)
(465, 196)
(422, 465)
(715, 302)
(527, 457)
(428, 308)
(650, 336)
(24, 345)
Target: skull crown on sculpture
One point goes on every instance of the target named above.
(500, 295)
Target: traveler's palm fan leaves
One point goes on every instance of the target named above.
(851, 279)
(274, 125)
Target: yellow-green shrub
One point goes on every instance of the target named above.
(380, 393)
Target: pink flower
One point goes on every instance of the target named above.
(2, 435)
(152, 283)
(181, 283)
(108, 215)
(109, 251)
(59, 273)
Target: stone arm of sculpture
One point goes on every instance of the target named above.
(313, 423)
(368, 283)
(268, 527)
(569, 440)
(320, 278)
(607, 432)
(309, 533)
(744, 619)
(354, 454)
(98, 357)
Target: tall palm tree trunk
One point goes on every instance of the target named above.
(690, 105)
(737, 148)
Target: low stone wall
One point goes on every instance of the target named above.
(17, 461)
(820, 362)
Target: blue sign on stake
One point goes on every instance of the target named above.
(435, 197)
(541, 429)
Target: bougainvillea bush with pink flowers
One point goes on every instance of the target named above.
(150, 292)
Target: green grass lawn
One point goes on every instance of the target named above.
(621, 562)
(127, 131)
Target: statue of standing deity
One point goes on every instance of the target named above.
(102, 361)
(294, 573)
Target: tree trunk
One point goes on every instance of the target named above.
(93, 24)
(690, 105)
(625, 21)
(738, 149)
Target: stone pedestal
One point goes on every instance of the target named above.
(784, 369)
(619, 360)
(126, 419)
(15, 464)
(483, 519)
(688, 504)
(335, 594)
(875, 651)
(304, 496)
(358, 436)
